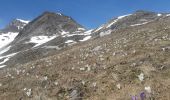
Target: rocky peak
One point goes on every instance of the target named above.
(15, 25)
(50, 24)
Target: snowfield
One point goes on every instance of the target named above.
(86, 38)
(6, 38)
(81, 29)
(39, 40)
(64, 32)
(5, 50)
(4, 59)
(69, 41)
(159, 15)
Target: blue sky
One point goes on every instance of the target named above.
(89, 13)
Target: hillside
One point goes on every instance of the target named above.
(128, 61)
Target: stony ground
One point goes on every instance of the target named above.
(114, 67)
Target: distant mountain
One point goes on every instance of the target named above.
(8, 34)
(15, 26)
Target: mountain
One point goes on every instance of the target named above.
(8, 34)
(15, 26)
(51, 23)
(138, 18)
(43, 36)
(55, 58)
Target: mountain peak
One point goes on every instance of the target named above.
(23, 21)
(51, 13)
(15, 25)
(52, 17)
(49, 23)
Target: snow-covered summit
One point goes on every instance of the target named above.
(24, 21)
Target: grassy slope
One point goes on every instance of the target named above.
(93, 69)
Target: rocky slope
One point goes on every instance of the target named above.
(131, 60)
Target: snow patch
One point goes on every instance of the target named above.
(10, 55)
(139, 24)
(88, 32)
(64, 32)
(168, 15)
(120, 17)
(2, 66)
(99, 28)
(5, 50)
(39, 40)
(59, 14)
(112, 23)
(6, 38)
(81, 29)
(159, 15)
(24, 21)
(105, 33)
(86, 38)
(70, 35)
(52, 47)
(77, 31)
(5, 59)
(69, 41)
(20, 27)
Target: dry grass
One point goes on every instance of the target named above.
(94, 74)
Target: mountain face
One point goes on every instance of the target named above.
(49, 24)
(43, 36)
(48, 58)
